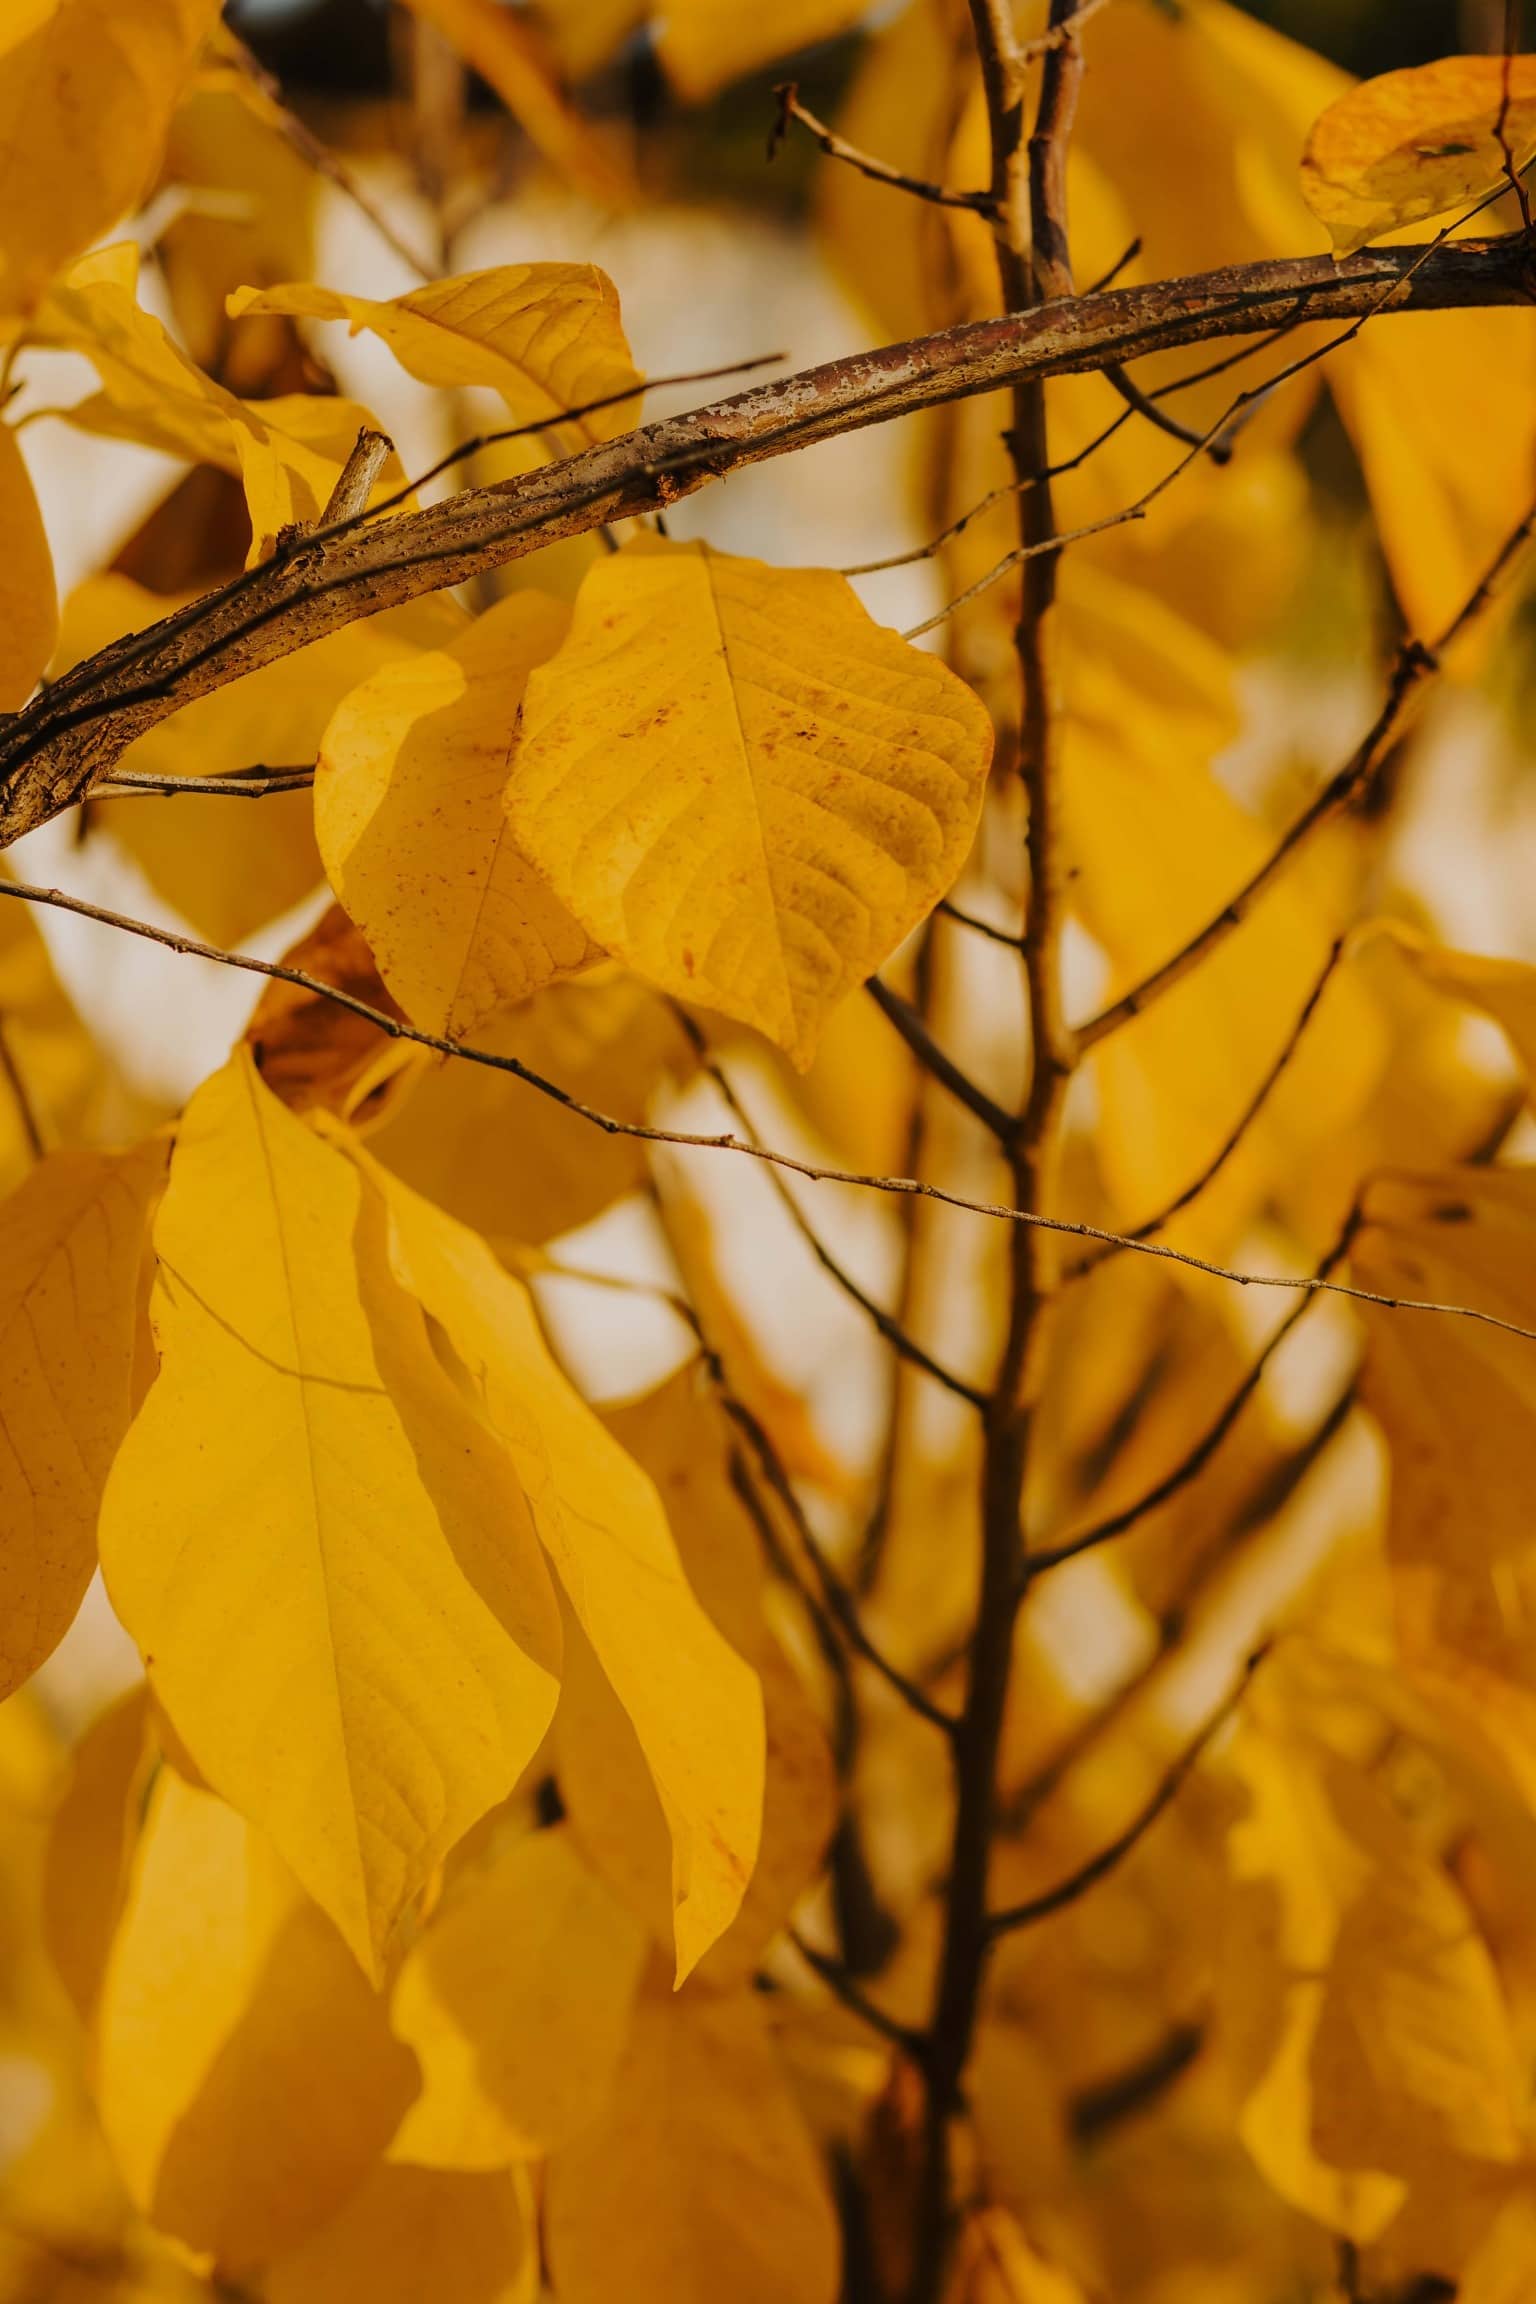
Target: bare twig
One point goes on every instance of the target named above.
(941, 1067)
(26, 1111)
(1240, 1127)
(1195, 1459)
(909, 1187)
(240, 784)
(838, 1981)
(907, 1347)
(1414, 666)
(1517, 183)
(878, 171)
(1077, 1884)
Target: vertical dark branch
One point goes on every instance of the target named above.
(1029, 192)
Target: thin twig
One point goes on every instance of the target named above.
(878, 171)
(1195, 1458)
(911, 1187)
(1517, 181)
(979, 926)
(1240, 1127)
(26, 1111)
(1415, 664)
(835, 1976)
(941, 1067)
(1077, 1884)
(907, 1347)
(240, 784)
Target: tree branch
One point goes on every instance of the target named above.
(70, 735)
(1077, 1884)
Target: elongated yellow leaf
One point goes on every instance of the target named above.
(1413, 144)
(741, 785)
(288, 451)
(410, 2233)
(72, 1243)
(1502, 989)
(675, 1434)
(29, 611)
(696, 1707)
(86, 90)
(700, 2180)
(547, 337)
(409, 816)
(516, 2000)
(705, 45)
(245, 2072)
(323, 1556)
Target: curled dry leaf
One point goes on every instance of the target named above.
(1411, 145)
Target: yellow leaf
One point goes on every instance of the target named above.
(1501, 2267)
(245, 2072)
(699, 2181)
(288, 451)
(322, 1555)
(90, 1841)
(703, 45)
(409, 816)
(695, 1706)
(313, 1051)
(1502, 989)
(230, 866)
(741, 785)
(410, 2233)
(1413, 144)
(514, 1164)
(86, 91)
(1445, 496)
(547, 337)
(29, 612)
(516, 2000)
(72, 1243)
(675, 1434)
(57, 1070)
(1456, 1399)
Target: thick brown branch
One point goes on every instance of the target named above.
(70, 735)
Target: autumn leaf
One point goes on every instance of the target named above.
(508, 54)
(72, 1244)
(516, 2000)
(288, 451)
(741, 785)
(675, 1434)
(305, 1505)
(117, 65)
(547, 337)
(222, 1984)
(415, 839)
(699, 2176)
(312, 1052)
(1412, 144)
(29, 613)
(695, 1706)
(410, 2232)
